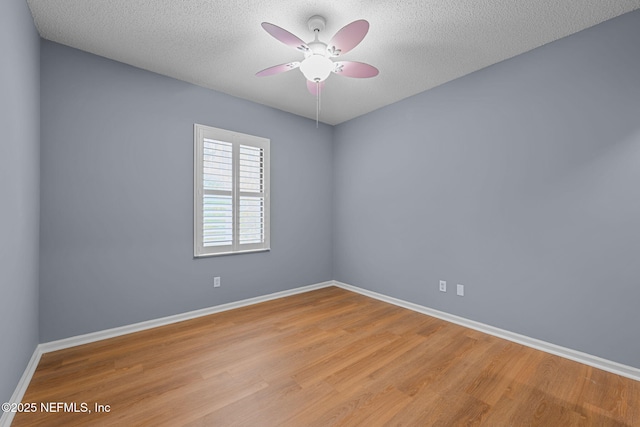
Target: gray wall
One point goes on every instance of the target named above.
(19, 190)
(520, 181)
(117, 197)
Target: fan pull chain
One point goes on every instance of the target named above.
(317, 102)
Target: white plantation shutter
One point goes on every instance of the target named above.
(231, 188)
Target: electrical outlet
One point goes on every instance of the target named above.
(216, 282)
(460, 290)
(443, 286)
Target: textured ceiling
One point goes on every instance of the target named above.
(416, 45)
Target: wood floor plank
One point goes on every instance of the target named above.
(323, 358)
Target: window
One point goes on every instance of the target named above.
(231, 192)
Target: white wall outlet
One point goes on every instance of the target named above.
(216, 282)
(443, 286)
(460, 290)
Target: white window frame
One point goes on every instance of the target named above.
(201, 132)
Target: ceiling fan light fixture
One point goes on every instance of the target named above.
(316, 68)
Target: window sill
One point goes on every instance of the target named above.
(250, 251)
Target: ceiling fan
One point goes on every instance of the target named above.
(318, 62)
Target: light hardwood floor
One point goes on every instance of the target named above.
(322, 358)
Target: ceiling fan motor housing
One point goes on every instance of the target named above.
(317, 48)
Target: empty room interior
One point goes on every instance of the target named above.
(326, 213)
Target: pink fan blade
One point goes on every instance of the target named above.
(278, 69)
(355, 69)
(285, 37)
(348, 37)
(313, 87)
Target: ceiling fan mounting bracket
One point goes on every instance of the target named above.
(316, 23)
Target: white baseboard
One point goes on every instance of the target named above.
(567, 353)
(16, 397)
(154, 323)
